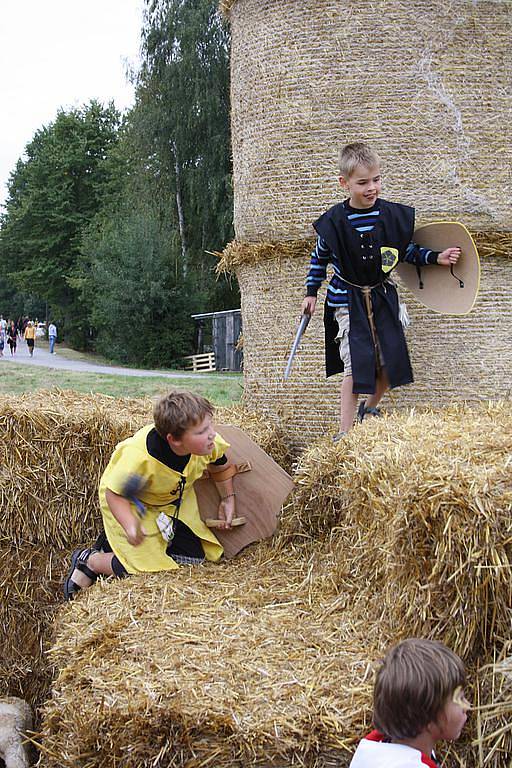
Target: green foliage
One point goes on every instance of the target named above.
(53, 193)
(181, 121)
(109, 223)
(141, 312)
(144, 267)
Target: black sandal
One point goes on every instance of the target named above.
(79, 575)
(363, 411)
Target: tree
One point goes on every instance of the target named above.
(145, 261)
(109, 221)
(181, 120)
(52, 194)
(141, 311)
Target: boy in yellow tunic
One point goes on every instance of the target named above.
(147, 498)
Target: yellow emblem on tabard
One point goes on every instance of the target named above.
(389, 258)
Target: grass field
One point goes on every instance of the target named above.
(15, 379)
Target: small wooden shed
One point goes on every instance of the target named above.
(220, 332)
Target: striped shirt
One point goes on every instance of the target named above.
(322, 256)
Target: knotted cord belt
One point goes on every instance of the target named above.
(367, 296)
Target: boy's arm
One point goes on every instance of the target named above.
(121, 510)
(320, 258)
(416, 254)
(226, 491)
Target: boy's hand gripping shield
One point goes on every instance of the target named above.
(261, 487)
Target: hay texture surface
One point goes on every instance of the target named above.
(418, 509)
(436, 111)
(494, 737)
(247, 663)
(54, 447)
(403, 528)
(30, 591)
(239, 253)
(453, 358)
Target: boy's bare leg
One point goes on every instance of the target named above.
(348, 404)
(101, 563)
(381, 386)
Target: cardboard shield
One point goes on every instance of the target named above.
(261, 489)
(450, 294)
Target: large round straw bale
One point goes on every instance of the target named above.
(425, 82)
(246, 663)
(453, 358)
(428, 85)
(418, 509)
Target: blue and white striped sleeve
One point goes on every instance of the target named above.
(320, 259)
(427, 256)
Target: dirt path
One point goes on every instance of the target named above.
(44, 359)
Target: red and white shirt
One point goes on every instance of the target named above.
(375, 752)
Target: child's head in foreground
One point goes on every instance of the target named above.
(420, 689)
(359, 167)
(184, 419)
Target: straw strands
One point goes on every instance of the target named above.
(246, 663)
(239, 253)
(30, 589)
(404, 527)
(495, 716)
(418, 510)
(54, 447)
(53, 450)
(225, 6)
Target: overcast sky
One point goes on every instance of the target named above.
(61, 53)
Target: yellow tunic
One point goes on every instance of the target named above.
(162, 487)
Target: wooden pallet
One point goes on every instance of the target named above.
(203, 362)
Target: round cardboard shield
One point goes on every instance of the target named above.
(261, 488)
(450, 291)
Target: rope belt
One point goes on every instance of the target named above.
(367, 295)
(367, 291)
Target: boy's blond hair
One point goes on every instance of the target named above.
(356, 154)
(175, 412)
(416, 679)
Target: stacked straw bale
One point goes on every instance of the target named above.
(418, 509)
(246, 663)
(404, 528)
(494, 724)
(430, 90)
(466, 357)
(30, 591)
(53, 448)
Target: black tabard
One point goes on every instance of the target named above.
(359, 260)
